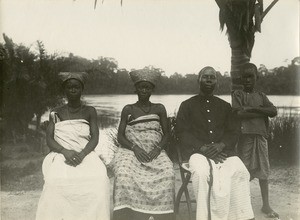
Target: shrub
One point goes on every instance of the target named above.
(284, 139)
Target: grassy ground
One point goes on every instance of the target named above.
(22, 181)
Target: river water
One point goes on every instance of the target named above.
(109, 107)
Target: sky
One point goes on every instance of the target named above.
(175, 35)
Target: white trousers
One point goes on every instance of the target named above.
(229, 198)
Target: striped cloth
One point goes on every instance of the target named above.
(229, 197)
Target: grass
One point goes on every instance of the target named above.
(284, 140)
(21, 165)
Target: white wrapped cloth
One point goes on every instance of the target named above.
(229, 196)
(74, 193)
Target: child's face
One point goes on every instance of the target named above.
(248, 80)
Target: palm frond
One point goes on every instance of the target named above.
(222, 19)
(95, 3)
(268, 9)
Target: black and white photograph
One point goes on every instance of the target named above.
(149, 110)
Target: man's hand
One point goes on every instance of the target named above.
(214, 149)
(214, 152)
(141, 154)
(220, 158)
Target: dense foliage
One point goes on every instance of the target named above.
(30, 84)
(284, 139)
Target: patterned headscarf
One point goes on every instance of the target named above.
(144, 75)
(80, 76)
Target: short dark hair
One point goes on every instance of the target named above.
(250, 67)
(203, 71)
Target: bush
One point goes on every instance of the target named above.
(284, 139)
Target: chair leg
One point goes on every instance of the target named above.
(187, 196)
(178, 198)
(183, 188)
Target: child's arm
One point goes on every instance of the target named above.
(239, 109)
(267, 109)
(244, 114)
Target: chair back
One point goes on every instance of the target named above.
(174, 150)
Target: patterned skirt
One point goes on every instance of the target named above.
(143, 187)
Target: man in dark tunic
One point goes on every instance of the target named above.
(208, 135)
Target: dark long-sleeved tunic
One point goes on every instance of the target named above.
(203, 120)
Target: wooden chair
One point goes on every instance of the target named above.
(184, 173)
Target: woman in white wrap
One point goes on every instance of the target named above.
(76, 183)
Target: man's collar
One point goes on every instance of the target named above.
(204, 96)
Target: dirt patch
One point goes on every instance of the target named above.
(19, 205)
(22, 181)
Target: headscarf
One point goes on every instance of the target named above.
(144, 75)
(80, 76)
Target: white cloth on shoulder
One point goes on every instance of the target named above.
(74, 193)
(229, 197)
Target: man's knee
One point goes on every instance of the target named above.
(199, 165)
(238, 167)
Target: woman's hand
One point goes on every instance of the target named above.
(140, 154)
(79, 157)
(154, 153)
(72, 157)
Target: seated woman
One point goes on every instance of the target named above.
(144, 175)
(76, 183)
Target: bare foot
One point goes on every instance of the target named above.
(269, 212)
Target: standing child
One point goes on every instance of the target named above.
(254, 108)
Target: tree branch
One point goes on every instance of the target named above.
(268, 9)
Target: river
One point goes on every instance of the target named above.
(109, 107)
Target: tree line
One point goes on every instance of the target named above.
(30, 84)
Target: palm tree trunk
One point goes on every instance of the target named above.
(238, 17)
(238, 58)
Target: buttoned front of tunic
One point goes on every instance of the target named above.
(203, 120)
